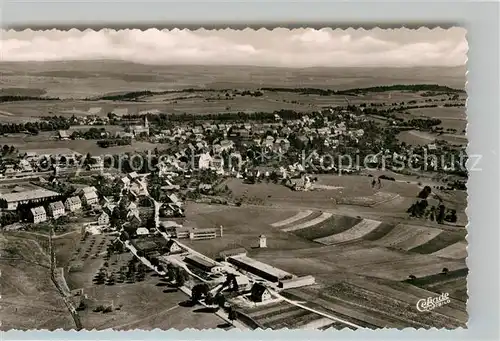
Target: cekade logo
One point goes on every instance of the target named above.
(429, 303)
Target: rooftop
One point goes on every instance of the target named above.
(37, 210)
(201, 261)
(261, 266)
(56, 205)
(28, 195)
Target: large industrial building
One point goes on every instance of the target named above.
(10, 201)
(260, 269)
(203, 264)
(196, 234)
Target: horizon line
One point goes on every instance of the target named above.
(232, 65)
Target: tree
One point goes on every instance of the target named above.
(171, 273)
(441, 214)
(199, 291)
(180, 279)
(425, 192)
(111, 280)
(82, 305)
(209, 299)
(233, 315)
(220, 300)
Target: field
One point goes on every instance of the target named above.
(241, 228)
(457, 113)
(43, 141)
(29, 298)
(146, 305)
(285, 315)
(378, 303)
(80, 79)
(361, 277)
(422, 138)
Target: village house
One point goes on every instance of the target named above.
(260, 293)
(25, 166)
(242, 283)
(174, 200)
(205, 188)
(268, 142)
(173, 247)
(103, 219)
(281, 144)
(56, 209)
(96, 163)
(38, 214)
(109, 207)
(73, 204)
(217, 164)
(63, 135)
(142, 231)
(202, 161)
(90, 198)
(124, 135)
(226, 144)
(134, 217)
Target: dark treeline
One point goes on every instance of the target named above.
(8, 98)
(354, 91)
(114, 142)
(134, 95)
(48, 124)
(161, 119)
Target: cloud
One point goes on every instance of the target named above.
(279, 47)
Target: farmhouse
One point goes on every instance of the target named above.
(63, 135)
(38, 214)
(89, 196)
(173, 247)
(109, 208)
(242, 283)
(10, 201)
(138, 129)
(56, 209)
(142, 231)
(260, 269)
(25, 166)
(73, 204)
(203, 264)
(103, 219)
(260, 293)
(202, 161)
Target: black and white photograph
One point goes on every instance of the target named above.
(310, 179)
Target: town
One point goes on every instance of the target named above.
(140, 204)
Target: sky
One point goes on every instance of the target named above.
(278, 47)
